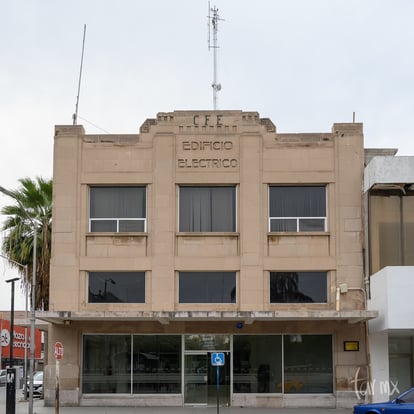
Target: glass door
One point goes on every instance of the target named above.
(224, 382)
(196, 378)
(200, 380)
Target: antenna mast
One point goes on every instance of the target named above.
(213, 19)
(75, 115)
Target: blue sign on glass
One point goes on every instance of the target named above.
(217, 359)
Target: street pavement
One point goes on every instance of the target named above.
(22, 407)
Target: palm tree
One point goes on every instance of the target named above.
(32, 207)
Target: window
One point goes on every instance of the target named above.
(116, 287)
(307, 364)
(391, 227)
(207, 209)
(289, 364)
(207, 287)
(298, 287)
(117, 209)
(155, 361)
(257, 363)
(157, 364)
(297, 209)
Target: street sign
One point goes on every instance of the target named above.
(217, 359)
(58, 351)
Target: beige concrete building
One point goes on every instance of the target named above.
(208, 233)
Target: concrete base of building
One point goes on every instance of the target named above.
(342, 399)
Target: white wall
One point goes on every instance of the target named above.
(389, 170)
(379, 386)
(392, 295)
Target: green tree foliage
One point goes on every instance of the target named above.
(32, 206)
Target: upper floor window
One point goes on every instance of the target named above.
(207, 209)
(117, 209)
(297, 208)
(298, 287)
(116, 287)
(207, 287)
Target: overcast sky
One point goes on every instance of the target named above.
(303, 63)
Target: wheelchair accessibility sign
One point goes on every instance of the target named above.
(217, 359)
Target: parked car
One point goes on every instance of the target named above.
(404, 403)
(3, 377)
(37, 384)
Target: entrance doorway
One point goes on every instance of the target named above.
(200, 380)
(200, 377)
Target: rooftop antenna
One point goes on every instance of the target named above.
(213, 19)
(75, 115)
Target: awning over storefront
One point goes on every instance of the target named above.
(351, 316)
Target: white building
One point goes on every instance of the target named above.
(389, 197)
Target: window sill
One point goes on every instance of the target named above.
(116, 234)
(298, 233)
(208, 234)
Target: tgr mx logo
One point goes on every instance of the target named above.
(5, 337)
(364, 388)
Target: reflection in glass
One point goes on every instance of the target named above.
(207, 342)
(106, 364)
(207, 287)
(257, 364)
(116, 287)
(200, 380)
(298, 287)
(308, 364)
(157, 364)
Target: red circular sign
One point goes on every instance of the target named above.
(58, 350)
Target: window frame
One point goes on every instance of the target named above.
(117, 220)
(233, 186)
(298, 219)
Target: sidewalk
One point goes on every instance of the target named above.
(38, 408)
(22, 407)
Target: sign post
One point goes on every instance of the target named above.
(217, 360)
(58, 355)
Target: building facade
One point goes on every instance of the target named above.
(389, 196)
(208, 232)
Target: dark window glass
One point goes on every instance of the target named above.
(207, 287)
(157, 364)
(297, 209)
(208, 209)
(116, 287)
(298, 287)
(307, 364)
(106, 367)
(257, 364)
(117, 209)
(107, 363)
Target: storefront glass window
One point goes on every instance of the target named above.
(106, 364)
(157, 364)
(257, 364)
(308, 364)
